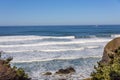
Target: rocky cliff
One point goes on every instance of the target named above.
(109, 67)
(109, 49)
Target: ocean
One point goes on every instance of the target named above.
(38, 49)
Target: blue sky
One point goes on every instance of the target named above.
(59, 12)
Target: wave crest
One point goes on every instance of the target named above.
(26, 38)
(115, 35)
(43, 60)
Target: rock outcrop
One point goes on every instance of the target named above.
(47, 73)
(109, 49)
(66, 71)
(109, 67)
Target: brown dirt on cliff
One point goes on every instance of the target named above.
(109, 49)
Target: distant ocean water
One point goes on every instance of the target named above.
(38, 49)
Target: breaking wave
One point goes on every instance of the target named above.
(26, 38)
(43, 60)
(79, 41)
(115, 35)
(52, 50)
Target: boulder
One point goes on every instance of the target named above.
(109, 49)
(66, 71)
(47, 73)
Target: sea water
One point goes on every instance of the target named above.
(38, 49)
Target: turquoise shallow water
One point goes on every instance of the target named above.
(38, 49)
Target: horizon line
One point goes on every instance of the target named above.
(67, 25)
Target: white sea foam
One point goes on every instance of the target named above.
(92, 47)
(79, 41)
(115, 35)
(49, 50)
(26, 38)
(29, 61)
(60, 58)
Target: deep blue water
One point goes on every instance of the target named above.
(77, 31)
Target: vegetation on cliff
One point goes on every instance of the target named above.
(11, 73)
(108, 71)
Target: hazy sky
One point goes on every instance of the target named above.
(59, 12)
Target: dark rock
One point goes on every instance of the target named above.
(47, 73)
(109, 50)
(66, 71)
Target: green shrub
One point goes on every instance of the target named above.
(21, 74)
(110, 71)
(13, 73)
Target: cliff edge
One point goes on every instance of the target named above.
(109, 49)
